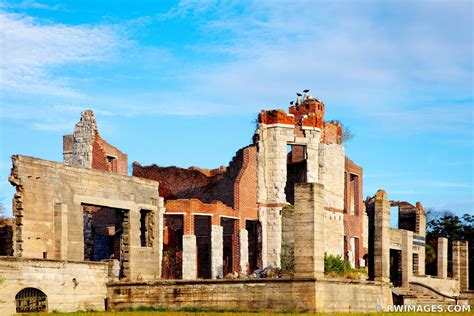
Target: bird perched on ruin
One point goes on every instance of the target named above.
(306, 95)
(298, 99)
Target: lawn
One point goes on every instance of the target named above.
(168, 313)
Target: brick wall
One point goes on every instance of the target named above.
(354, 221)
(189, 207)
(331, 133)
(107, 157)
(179, 183)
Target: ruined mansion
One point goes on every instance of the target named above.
(86, 235)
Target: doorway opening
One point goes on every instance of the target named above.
(396, 267)
(172, 264)
(103, 234)
(202, 230)
(254, 229)
(296, 170)
(230, 240)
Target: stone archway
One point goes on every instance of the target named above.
(31, 300)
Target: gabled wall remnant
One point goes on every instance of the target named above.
(49, 213)
(86, 148)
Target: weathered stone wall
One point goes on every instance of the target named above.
(334, 233)
(55, 279)
(272, 143)
(331, 174)
(82, 140)
(49, 214)
(253, 294)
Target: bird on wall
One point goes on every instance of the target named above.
(298, 99)
(306, 95)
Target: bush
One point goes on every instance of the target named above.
(335, 264)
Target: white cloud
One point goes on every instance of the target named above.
(360, 58)
(32, 48)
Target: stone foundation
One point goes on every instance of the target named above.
(299, 295)
(68, 285)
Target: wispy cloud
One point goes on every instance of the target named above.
(29, 4)
(32, 48)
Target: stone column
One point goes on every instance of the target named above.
(244, 251)
(442, 257)
(309, 230)
(217, 251)
(271, 175)
(461, 263)
(189, 257)
(382, 237)
(407, 257)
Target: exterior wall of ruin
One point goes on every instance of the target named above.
(49, 214)
(6, 236)
(271, 174)
(77, 149)
(334, 233)
(56, 279)
(101, 150)
(331, 175)
(299, 295)
(86, 148)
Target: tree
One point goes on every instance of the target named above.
(453, 227)
(347, 134)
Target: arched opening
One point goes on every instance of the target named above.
(31, 300)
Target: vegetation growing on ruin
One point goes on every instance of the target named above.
(335, 266)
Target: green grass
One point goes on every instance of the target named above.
(144, 312)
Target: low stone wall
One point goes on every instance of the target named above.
(55, 279)
(448, 287)
(252, 295)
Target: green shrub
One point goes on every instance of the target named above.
(335, 264)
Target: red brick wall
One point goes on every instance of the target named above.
(245, 187)
(100, 150)
(353, 223)
(189, 207)
(180, 183)
(331, 133)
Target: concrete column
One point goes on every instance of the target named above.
(382, 237)
(244, 251)
(461, 263)
(189, 257)
(217, 251)
(442, 257)
(309, 230)
(407, 257)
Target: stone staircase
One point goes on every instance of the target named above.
(421, 295)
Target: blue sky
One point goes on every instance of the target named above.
(180, 83)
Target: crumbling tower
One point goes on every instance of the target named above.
(312, 141)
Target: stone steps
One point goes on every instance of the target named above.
(424, 298)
